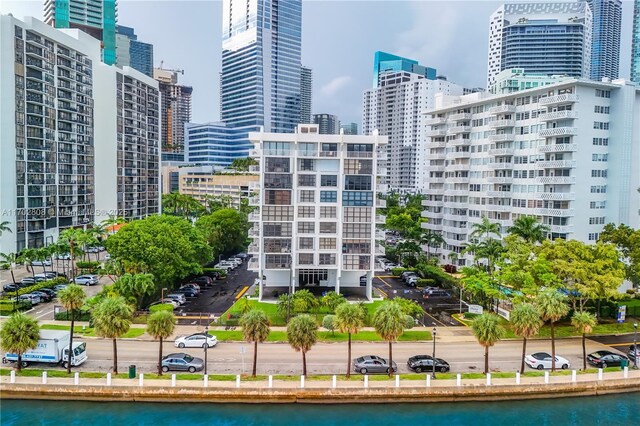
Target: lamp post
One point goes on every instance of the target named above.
(162, 294)
(635, 345)
(206, 346)
(433, 372)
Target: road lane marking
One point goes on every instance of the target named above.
(45, 314)
(243, 291)
(619, 344)
(385, 283)
(383, 292)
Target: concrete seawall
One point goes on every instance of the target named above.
(318, 394)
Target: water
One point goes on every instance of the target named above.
(610, 410)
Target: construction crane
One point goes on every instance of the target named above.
(172, 70)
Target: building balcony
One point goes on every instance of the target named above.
(382, 187)
(380, 234)
(436, 168)
(435, 191)
(557, 115)
(554, 212)
(254, 217)
(498, 124)
(454, 242)
(436, 179)
(559, 229)
(435, 133)
(253, 249)
(457, 204)
(501, 151)
(502, 109)
(556, 164)
(254, 201)
(254, 232)
(381, 219)
(255, 153)
(432, 226)
(382, 156)
(499, 194)
(501, 137)
(558, 147)
(457, 192)
(437, 144)
(559, 99)
(556, 180)
(455, 229)
(460, 116)
(500, 179)
(501, 166)
(434, 121)
(558, 131)
(458, 179)
(438, 156)
(498, 207)
(458, 129)
(254, 264)
(458, 154)
(432, 214)
(459, 141)
(380, 250)
(555, 196)
(381, 204)
(454, 167)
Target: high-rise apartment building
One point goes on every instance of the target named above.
(605, 50)
(635, 44)
(551, 38)
(384, 62)
(215, 144)
(95, 17)
(261, 64)
(175, 112)
(328, 124)
(315, 226)
(306, 87)
(130, 52)
(349, 128)
(565, 153)
(395, 108)
(56, 150)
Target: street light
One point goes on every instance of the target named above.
(206, 346)
(433, 373)
(635, 345)
(162, 294)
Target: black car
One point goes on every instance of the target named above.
(203, 281)
(187, 291)
(436, 294)
(11, 287)
(420, 363)
(49, 291)
(44, 296)
(604, 359)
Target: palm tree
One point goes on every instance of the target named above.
(584, 323)
(431, 239)
(73, 237)
(304, 301)
(529, 229)
(19, 334)
(11, 259)
(389, 321)
(485, 229)
(136, 286)
(4, 226)
(552, 306)
(27, 256)
(160, 325)
(255, 328)
(111, 319)
(72, 298)
(302, 333)
(526, 322)
(349, 319)
(488, 331)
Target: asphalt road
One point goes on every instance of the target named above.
(326, 358)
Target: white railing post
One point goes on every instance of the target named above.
(574, 377)
(237, 380)
(599, 373)
(397, 381)
(366, 381)
(546, 377)
(173, 380)
(302, 382)
(458, 379)
(270, 381)
(334, 382)
(13, 377)
(428, 381)
(488, 379)
(141, 380)
(205, 383)
(44, 377)
(625, 372)
(108, 379)
(76, 378)
(517, 377)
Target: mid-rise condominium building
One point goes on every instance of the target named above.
(515, 79)
(204, 185)
(328, 124)
(131, 52)
(566, 153)
(552, 38)
(349, 128)
(95, 17)
(175, 112)
(605, 50)
(315, 226)
(215, 144)
(55, 150)
(395, 108)
(635, 44)
(306, 91)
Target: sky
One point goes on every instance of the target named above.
(338, 42)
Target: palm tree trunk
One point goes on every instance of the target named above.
(255, 357)
(73, 320)
(19, 362)
(304, 363)
(390, 359)
(115, 357)
(524, 351)
(160, 358)
(584, 352)
(349, 356)
(72, 266)
(486, 359)
(553, 348)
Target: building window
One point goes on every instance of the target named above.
(364, 198)
(356, 247)
(593, 236)
(327, 243)
(600, 125)
(305, 258)
(307, 196)
(306, 227)
(356, 230)
(328, 196)
(603, 93)
(277, 148)
(307, 165)
(598, 109)
(356, 262)
(358, 214)
(277, 245)
(599, 189)
(327, 259)
(277, 197)
(306, 211)
(599, 157)
(357, 183)
(358, 167)
(328, 227)
(601, 141)
(599, 173)
(305, 243)
(277, 213)
(598, 205)
(306, 180)
(281, 181)
(328, 180)
(277, 165)
(597, 220)
(277, 261)
(327, 212)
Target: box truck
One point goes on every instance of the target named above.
(52, 348)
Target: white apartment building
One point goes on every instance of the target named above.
(516, 79)
(315, 226)
(567, 153)
(60, 159)
(395, 108)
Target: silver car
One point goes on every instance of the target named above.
(182, 362)
(372, 364)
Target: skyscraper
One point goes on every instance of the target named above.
(261, 64)
(328, 124)
(541, 38)
(384, 62)
(95, 17)
(605, 50)
(306, 85)
(132, 52)
(349, 128)
(635, 44)
(175, 110)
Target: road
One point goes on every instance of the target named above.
(326, 358)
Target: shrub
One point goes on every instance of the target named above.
(66, 316)
(436, 274)
(328, 322)
(397, 271)
(161, 307)
(409, 322)
(426, 282)
(88, 265)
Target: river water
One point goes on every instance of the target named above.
(610, 410)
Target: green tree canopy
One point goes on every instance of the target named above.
(389, 321)
(160, 325)
(19, 334)
(627, 240)
(487, 330)
(349, 319)
(552, 306)
(72, 298)
(242, 164)
(302, 334)
(135, 287)
(111, 319)
(526, 322)
(529, 229)
(584, 323)
(255, 329)
(225, 230)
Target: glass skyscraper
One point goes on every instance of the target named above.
(635, 44)
(605, 50)
(132, 52)
(95, 17)
(261, 64)
(383, 62)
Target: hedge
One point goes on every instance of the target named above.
(7, 308)
(66, 316)
(438, 275)
(161, 307)
(207, 271)
(44, 284)
(397, 271)
(87, 264)
(425, 282)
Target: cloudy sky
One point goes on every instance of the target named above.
(339, 38)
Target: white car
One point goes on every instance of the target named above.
(224, 267)
(86, 280)
(542, 360)
(179, 297)
(169, 301)
(41, 262)
(196, 341)
(63, 256)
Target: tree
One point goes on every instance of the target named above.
(72, 298)
(74, 238)
(242, 164)
(349, 319)
(526, 322)
(304, 301)
(111, 319)
(255, 328)
(182, 205)
(389, 322)
(4, 227)
(529, 229)
(332, 300)
(584, 323)
(302, 333)
(410, 307)
(431, 239)
(487, 330)
(552, 305)
(329, 322)
(225, 230)
(160, 325)
(27, 256)
(485, 229)
(285, 305)
(19, 334)
(627, 240)
(135, 287)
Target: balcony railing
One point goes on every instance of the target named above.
(557, 180)
(555, 196)
(556, 164)
(557, 131)
(557, 115)
(501, 109)
(501, 137)
(558, 147)
(559, 99)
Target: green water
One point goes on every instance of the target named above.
(611, 410)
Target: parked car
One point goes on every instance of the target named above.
(412, 281)
(242, 255)
(196, 340)
(192, 285)
(435, 293)
(542, 360)
(224, 266)
(187, 291)
(203, 281)
(59, 287)
(86, 280)
(406, 275)
(10, 287)
(372, 364)
(604, 359)
(180, 298)
(174, 302)
(634, 354)
(41, 263)
(389, 266)
(46, 275)
(182, 362)
(44, 297)
(94, 249)
(420, 363)
(63, 256)
(33, 298)
(49, 291)
(27, 281)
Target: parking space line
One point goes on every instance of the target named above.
(243, 291)
(383, 292)
(620, 344)
(385, 283)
